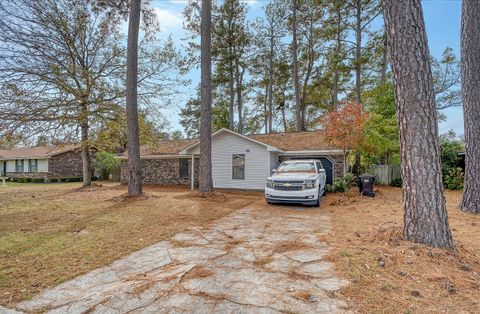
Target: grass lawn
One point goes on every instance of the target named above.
(50, 233)
(390, 275)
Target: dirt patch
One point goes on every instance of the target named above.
(128, 198)
(262, 261)
(390, 275)
(204, 197)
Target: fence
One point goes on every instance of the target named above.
(384, 174)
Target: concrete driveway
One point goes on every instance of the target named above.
(259, 259)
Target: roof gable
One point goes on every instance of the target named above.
(188, 149)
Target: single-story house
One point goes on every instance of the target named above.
(44, 162)
(238, 161)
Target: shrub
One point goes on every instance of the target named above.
(350, 180)
(454, 179)
(106, 163)
(38, 180)
(21, 180)
(329, 188)
(339, 185)
(396, 182)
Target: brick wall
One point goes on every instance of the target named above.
(162, 171)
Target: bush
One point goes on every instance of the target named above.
(38, 180)
(339, 185)
(350, 180)
(396, 182)
(454, 179)
(21, 180)
(106, 163)
(329, 188)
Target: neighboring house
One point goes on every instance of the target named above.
(238, 161)
(45, 162)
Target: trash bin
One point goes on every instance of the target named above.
(366, 185)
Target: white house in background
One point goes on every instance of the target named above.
(238, 161)
(43, 162)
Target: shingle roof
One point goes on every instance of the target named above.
(294, 141)
(38, 151)
(166, 147)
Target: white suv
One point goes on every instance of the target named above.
(297, 181)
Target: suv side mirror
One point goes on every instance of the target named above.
(321, 170)
(274, 170)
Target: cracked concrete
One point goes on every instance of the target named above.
(234, 266)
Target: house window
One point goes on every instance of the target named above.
(33, 165)
(183, 168)
(238, 166)
(18, 165)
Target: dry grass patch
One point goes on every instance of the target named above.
(287, 246)
(50, 233)
(262, 261)
(390, 275)
(198, 272)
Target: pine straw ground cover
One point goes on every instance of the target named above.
(50, 233)
(390, 275)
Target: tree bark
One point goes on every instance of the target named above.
(336, 73)
(239, 81)
(86, 159)
(358, 53)
(296, 85)
(270, 81)
(232, 92)
(470, 64)
(425, 215)
(205, 166)
(384, 65)
(133, 146)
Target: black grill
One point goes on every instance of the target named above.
(280, 187)
(289, 182)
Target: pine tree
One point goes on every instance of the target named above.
(425, 214)
(470, 43)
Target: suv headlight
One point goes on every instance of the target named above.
(269, 183)
(310, 184)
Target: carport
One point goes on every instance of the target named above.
(327, 163)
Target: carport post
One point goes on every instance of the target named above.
(192, 173)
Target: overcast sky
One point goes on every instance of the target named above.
(442, 20)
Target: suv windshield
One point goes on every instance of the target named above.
(297, 167)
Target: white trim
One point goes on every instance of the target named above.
(316, 152)
(158, 156)
(24, 158)
(269, 147)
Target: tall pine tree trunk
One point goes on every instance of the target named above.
(239, 81)
(296, 85)
(336, 73)
(85, 146)
(358, 53)
(358, 72)
(231, 84)
(270, 82)
(205, 167)
(470, 55)
(425, 214)
(134, 166)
